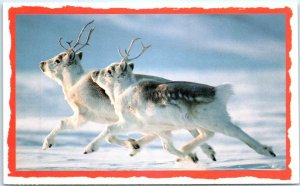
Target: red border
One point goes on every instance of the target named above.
(273, 174)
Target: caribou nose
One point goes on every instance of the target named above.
(42, 66)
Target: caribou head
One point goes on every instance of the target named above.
(69, 59)
(118, 73)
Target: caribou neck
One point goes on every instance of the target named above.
(120, 87)
(70, 77)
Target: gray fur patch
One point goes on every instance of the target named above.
(96, 90)
(172, 92)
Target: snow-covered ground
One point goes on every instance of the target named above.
(258, 107)
(68, 152)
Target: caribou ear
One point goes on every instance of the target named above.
(79, 54)
(131, 65)
(71, 55)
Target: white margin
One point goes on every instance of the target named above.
(293, 132)
(6, 91)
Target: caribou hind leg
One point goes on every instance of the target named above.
(207, 149)
(232, 130)
(237, 132)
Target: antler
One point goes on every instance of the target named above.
(62, 44)
(127, 52)
(72, 48)
(88, 38)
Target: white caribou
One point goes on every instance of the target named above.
(88, 100)
(155, 107)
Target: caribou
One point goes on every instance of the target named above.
(88, 100)
(158, 108)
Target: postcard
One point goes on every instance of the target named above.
(170, 93)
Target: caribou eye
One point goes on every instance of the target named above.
(57, 61)
(109, 71)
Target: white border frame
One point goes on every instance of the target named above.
(293, 131)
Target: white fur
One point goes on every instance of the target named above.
(224, 92)
(135, 113)
(79, 94)
(75, 86)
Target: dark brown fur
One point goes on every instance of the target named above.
(165, 93)
(96, 90)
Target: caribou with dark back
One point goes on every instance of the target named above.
(156, 107)
(88, 100)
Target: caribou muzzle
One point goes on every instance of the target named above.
(42, 66)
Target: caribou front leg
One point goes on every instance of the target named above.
(200, 139)
(136, 145)
(69, 123)
(108, 133)
(166, 139)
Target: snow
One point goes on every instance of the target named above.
(67, 154)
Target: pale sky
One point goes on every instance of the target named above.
(180, 43)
